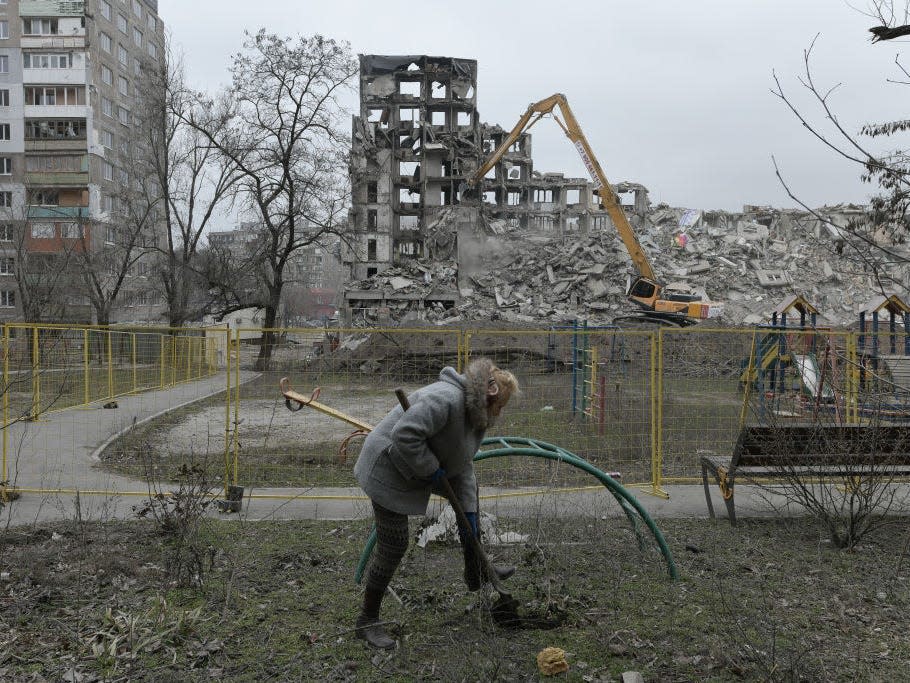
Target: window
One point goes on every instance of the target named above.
(7, 266)
(8, 298)
(4, 131)
(4, 64)
(137, 8)
(105, 9)
(107, 76)
(4, 29)
(106, 43)
(123, 56)
(54, 96)
(6, 199)
(107, 203)
(137, 67)
(7, 232)
(43, 231)
(43, 60)
(107, 139)
(6, 165)
(123, 86)
(71, 230)
(110, 235)
(44, 197)
(107, 107)
(121, 23)
(153, 50)
(123, 115)
(39, 27)
(137, 36)
(4, 97)
(124, 177)
(152, 22)
(107, 170)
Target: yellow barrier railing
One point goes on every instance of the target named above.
(646, 403)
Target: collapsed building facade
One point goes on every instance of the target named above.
(535, 247)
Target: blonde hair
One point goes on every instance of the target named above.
(508, 386)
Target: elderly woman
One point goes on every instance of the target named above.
(404, 458)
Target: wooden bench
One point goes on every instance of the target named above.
(790, 451)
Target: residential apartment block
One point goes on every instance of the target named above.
(69, 71)
(313, 276)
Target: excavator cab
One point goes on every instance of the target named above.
(644, 292)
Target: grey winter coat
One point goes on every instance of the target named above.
(444, 426)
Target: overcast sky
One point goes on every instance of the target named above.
(673, 95)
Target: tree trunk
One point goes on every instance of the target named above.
(267, 340)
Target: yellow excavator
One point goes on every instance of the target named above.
(657, 304)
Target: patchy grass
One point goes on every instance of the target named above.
(767, 601)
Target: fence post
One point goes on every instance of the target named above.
(174, 360)
(3, 475)
(657, 416)
(36, 380)
(135, 369)
(161, 359)
(86, 377)
(110, 367)
(237, 408)
(227, 411)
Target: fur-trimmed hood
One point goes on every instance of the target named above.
(476, 379)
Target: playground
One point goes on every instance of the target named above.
(610, 422)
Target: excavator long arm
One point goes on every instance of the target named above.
(570, 127)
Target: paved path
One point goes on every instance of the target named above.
(58, 455)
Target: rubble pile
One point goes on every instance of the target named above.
(750, 261)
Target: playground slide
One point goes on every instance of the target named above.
(808, 370)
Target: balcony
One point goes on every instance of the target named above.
(54, 42)
(73, 76)
(57, 145)
(57, 179)
(58, 212)
(53, 111)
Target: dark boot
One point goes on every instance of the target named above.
(368, 625)
(475, 574)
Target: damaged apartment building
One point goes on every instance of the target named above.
(431, 241)
(416, 143)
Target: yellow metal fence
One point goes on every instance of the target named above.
(644, 403)
(53, 374)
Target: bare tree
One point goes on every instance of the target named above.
(193, 182)
(870, 241)
(862, 459)
(43, 279)
(281, 124)
(893, 19)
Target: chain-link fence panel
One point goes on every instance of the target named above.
(355, 371)
(589, 391)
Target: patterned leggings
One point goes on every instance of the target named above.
(391, 544)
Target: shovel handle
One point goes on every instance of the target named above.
(460, 515)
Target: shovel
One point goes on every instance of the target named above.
(505, 610)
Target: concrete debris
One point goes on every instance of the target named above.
(445, 528)
(516, 277)
(532, 247)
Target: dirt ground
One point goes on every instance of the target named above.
(768, 601)
(264, 423)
